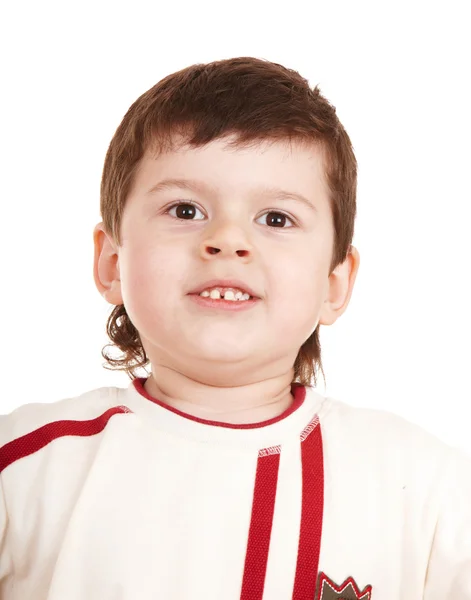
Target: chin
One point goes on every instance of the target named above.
(223, 352)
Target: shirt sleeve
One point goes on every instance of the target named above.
(449, 569)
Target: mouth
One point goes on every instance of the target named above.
(236, 286)
(222, 304)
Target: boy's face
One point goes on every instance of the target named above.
(285, 261)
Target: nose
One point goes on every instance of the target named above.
(227, 241)
(213, 250)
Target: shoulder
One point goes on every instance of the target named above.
(34, 425)
(383, 434)
(399, 460)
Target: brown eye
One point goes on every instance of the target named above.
(278, 220)
(184, 211)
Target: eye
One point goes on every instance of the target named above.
(279, 220)
(186, 212)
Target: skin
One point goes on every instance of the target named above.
(218, 365)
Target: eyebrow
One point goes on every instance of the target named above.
(193, 185)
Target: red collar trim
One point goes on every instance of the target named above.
(297, 390)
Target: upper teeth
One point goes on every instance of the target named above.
(229, 294)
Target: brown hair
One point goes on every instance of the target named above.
(256, 100)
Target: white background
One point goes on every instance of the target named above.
(399, 75)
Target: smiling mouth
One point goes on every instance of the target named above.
(229, 305)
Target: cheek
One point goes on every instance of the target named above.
(151, 279)
(296, 294)
(153, 266)
(294, 276)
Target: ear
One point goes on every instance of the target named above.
(106, 266)
(340, 288)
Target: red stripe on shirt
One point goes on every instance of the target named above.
(263, 507)
(311, 514)
(37, 439)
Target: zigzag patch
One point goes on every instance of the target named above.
(349, 590)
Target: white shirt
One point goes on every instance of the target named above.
(113, 495)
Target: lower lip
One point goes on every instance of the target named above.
(234, 305)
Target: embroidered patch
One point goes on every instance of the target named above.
(327, 590)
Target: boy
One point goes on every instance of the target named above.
(224, 474)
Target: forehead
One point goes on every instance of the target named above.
(223, 166)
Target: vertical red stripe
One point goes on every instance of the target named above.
(311, 516)
(263, 507)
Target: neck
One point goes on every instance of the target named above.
(252, 402)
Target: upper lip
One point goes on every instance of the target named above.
(229, 283)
